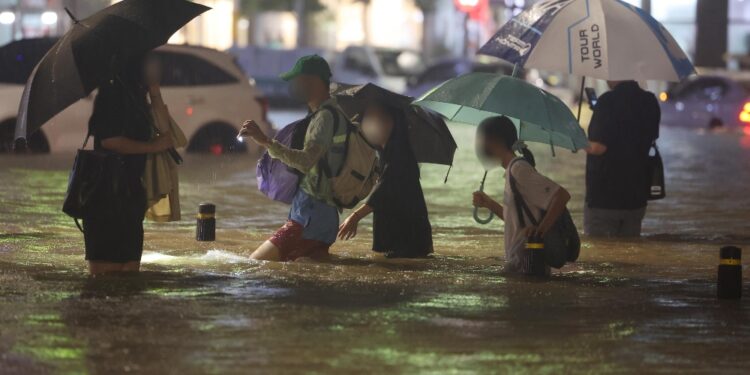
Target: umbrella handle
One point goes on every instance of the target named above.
(478, 219)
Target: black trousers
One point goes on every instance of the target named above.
(118, 238)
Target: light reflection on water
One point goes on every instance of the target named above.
(627, 306)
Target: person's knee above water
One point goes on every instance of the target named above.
(623, 128)
(497, 141)
(401, 227)
(314, 217)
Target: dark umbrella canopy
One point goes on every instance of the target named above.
(89, 53)
(430, 138)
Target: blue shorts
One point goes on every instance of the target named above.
(319, 219)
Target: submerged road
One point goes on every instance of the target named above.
(643, 306)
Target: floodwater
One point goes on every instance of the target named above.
(643, 306)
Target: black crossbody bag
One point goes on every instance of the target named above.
(94, 184)
(562, 244)
(656, 185)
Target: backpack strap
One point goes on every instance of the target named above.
(323, 164)
(521, 206)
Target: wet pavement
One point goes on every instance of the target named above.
(643, 306)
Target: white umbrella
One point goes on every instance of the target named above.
(604, 39)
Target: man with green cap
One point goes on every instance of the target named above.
(313, 220)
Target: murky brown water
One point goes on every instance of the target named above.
(643, 306)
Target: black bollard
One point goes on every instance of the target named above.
(535, 256)
(729, 282)
(206, 223)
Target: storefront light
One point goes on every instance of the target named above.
(243, 23)
(49, 18)
(7, 17)
(468, 3)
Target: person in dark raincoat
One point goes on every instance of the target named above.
(401, 227)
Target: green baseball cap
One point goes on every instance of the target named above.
(312, 65)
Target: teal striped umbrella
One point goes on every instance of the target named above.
(538, 115)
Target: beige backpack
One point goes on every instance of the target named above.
(358, 169)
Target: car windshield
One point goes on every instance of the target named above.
(399, 63)
(18, 59)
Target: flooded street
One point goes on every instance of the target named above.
(645, 306)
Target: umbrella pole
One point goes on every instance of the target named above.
(580, 98)
(515, 71)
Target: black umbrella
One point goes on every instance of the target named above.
(430, 138)
(86, 55)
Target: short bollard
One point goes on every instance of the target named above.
(535, 255)
(206, 224)
(729, 282)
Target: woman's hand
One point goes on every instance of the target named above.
(482, 200)
(162, 142)
(348, 229)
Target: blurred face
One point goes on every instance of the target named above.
(377, 125)
(489, 151)
(305, 88)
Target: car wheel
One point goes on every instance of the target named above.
(217, 139)
(36, 143)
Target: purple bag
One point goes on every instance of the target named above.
(275, 179)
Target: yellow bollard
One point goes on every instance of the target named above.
(729, 281)
(206, 223)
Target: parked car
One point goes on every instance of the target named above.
(266, 64)
(446, 69)
(714, 99)
(207, 93)
(385, 67)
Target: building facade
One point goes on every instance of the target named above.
(21, 19)
(435, 27)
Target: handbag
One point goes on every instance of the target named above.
(656, 188)
(562, 244)
(94, 184)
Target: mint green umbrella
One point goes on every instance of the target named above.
(540, 116)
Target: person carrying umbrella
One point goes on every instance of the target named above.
(623, 128)
(401, 227)
(490, 101)
(120, 124)
(108, 51)
(497, 142)
(404, 135)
